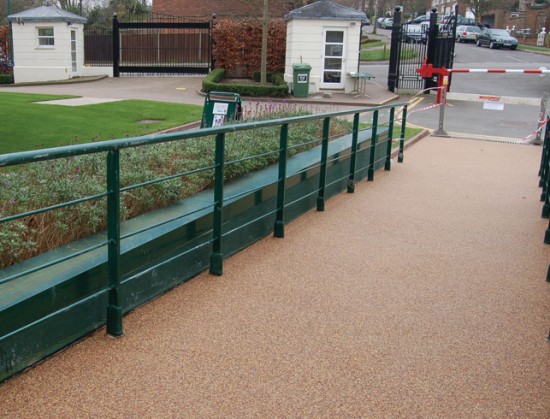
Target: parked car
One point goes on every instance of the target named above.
(467, 33)
(414, 33)
(461, 20)
(387, 23)
(421, 18)
(496, 38)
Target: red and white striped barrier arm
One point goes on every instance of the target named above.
(498, 70)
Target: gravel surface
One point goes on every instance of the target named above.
(421, 295)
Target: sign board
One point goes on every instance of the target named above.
(493, 106)
(220, 108)
(302, 78)
(489, 98)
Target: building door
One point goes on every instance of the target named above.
(333, 59)
(73, 50)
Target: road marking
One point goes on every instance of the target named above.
(510, 100)
(517, 59)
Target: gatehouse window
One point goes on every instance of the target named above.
(45, 37)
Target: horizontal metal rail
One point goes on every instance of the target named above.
(114, 190)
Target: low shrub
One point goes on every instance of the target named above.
(213, 83)
(6, 79)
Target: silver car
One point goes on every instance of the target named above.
(467, 33)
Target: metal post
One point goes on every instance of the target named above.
(116, 47)
(544, 153)
(374, 131)
(323, 168)
(10, 35)
(216, 259)
(432, 45)
(353, 157)
(394, 47)
(440, 131)
(546, 197)
(387, 166)
(542, 119)
(114, 310)
(279, 230)
(402, 135)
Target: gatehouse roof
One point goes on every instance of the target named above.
(326, 9)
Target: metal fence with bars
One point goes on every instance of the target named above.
(154, 44)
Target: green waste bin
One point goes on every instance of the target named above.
(301, 79)
(221, 107)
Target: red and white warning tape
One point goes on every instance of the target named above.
(542, 123)
(425, 108)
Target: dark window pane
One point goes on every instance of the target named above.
(332, 77)
(334, 50)
(335, 36)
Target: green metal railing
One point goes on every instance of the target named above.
(544, 183)
(113, 189)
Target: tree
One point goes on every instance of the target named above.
(481, 7)
(265, 28)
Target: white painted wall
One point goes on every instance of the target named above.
(35, 63)
(304, 44)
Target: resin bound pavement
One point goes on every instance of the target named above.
(422, 294)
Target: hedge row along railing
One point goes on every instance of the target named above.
(113, 190)
(213, 83)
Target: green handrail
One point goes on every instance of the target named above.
(113, 188)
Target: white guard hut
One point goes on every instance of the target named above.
(48, 44)
(326, 36)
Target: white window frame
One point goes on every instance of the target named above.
(39, 37)
(74, 50)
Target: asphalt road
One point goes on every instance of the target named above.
(465, 117)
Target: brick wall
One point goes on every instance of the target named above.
(240, 8)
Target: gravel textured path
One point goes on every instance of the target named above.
(421, 295)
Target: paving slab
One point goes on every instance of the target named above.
(188, 90)
(422, 294)
(78, 101)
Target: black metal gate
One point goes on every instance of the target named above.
(414, 44)
(159, 46)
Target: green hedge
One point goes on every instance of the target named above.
(211, 83)
(6, 79)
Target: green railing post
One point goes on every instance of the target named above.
(323, 167)
(547, 235)
(114, 310)
(216, 259)
(544, 155)
(545, 195)
(402, 138)
(387, 166)
(353, 157)
(373, 140)
(279, 229)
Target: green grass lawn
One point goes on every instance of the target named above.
(27, 125)
(540, 50)
(383, 54)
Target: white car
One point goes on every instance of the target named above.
(467, 33)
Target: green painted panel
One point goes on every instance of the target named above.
(43, 312)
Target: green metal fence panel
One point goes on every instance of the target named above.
(113, 270)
